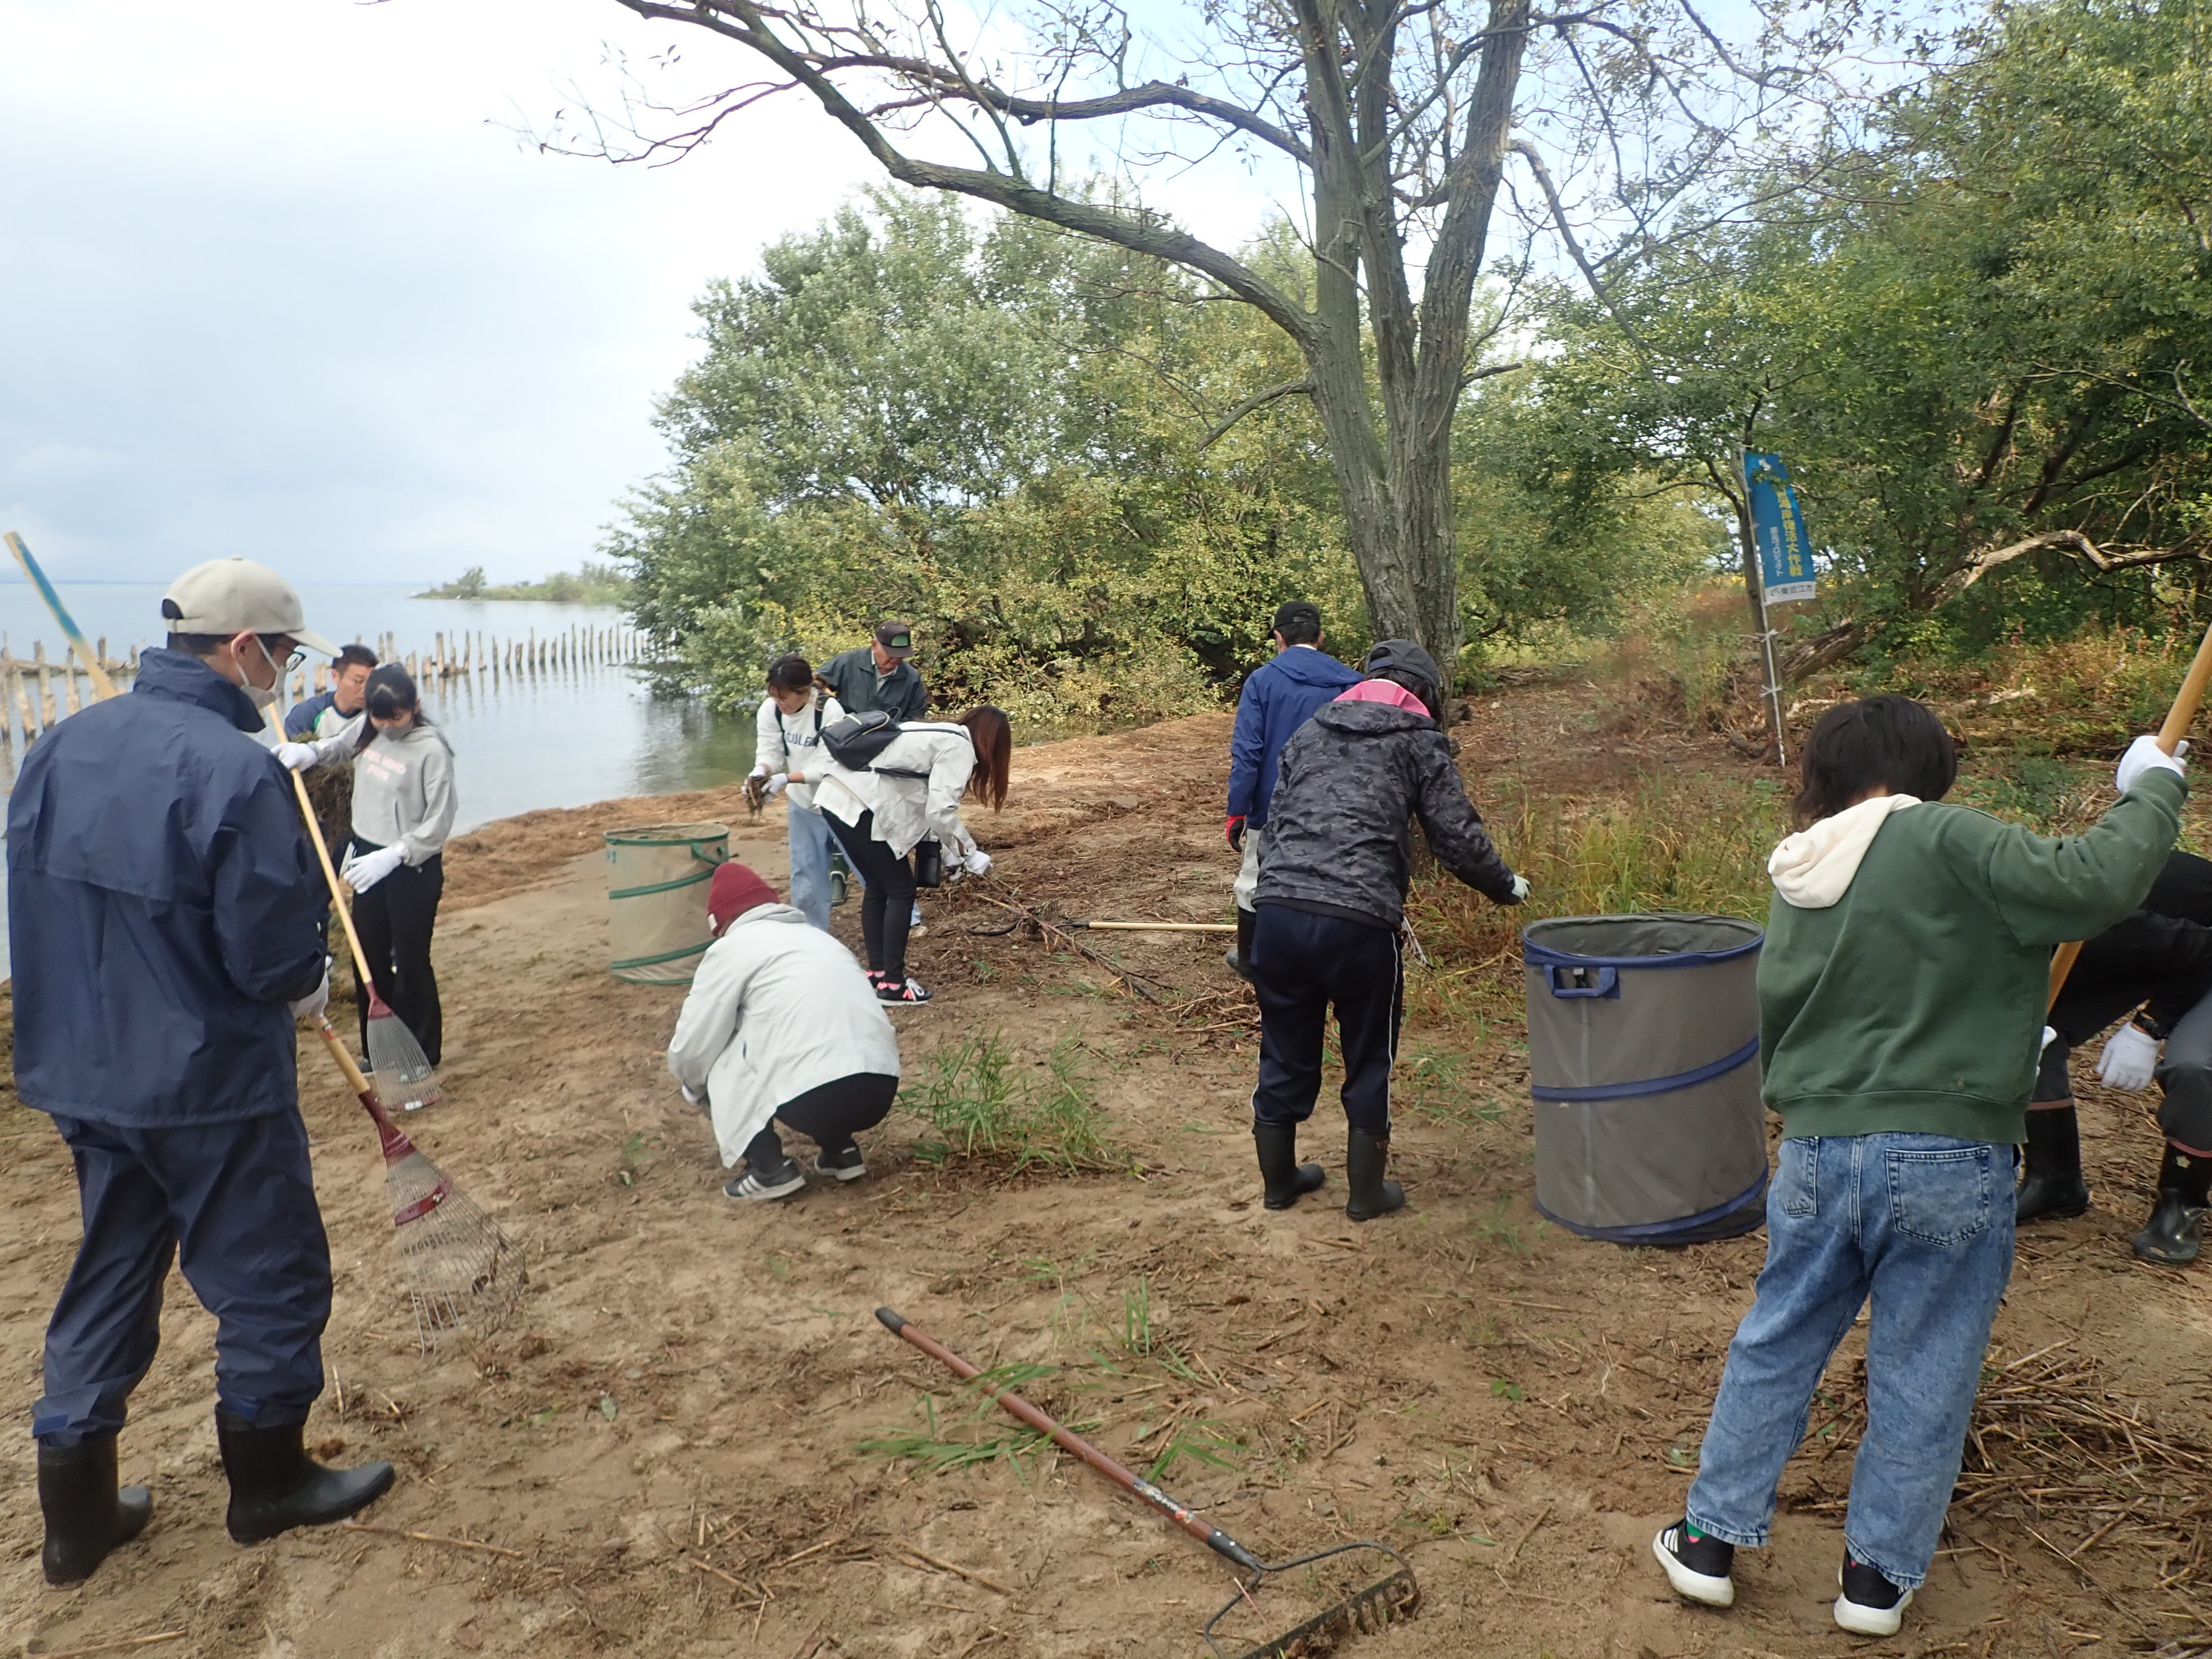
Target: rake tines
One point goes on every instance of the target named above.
(463, 1274)
(1382, 1603)
(396, 1059)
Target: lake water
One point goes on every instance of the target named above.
(520, 741)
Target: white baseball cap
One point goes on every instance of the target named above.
(236, 596)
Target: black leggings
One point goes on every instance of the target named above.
(395, 920)
(887, 907)
(828, 1115)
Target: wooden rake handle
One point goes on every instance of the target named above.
(2179, 719)
(338, 895)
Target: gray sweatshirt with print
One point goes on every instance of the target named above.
(403, 792)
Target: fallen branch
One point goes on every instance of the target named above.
(696, 1564)
(1064, 937)
(913, 1554)
(116, 1646)
(432, 1538)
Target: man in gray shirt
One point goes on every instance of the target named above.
(878, 676)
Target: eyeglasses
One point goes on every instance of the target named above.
(283, 651)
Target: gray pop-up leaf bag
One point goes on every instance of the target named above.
(1643, 1059)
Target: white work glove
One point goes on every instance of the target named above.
(760, 770)
(311, 1006)
(365, 872)
(693, 1096)
(296, 756)
(2050, 1036)
(778, 784)
(1519, 890)
(2130, 1056)
(2142, 755)
(977, 863)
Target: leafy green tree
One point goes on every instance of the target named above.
(1030, 444)
(1978, 346)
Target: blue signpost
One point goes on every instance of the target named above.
(1777, 527)
(1784, 565)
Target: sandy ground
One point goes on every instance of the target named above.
(664, 1454)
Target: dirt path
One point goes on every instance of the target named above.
(664, 1455)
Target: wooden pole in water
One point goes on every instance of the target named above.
(23, 703)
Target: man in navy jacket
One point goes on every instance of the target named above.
(1278, 697)
(162, 915)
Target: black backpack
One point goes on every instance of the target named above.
(856, 741)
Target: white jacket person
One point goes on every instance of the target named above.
(913, 787)
(778, 1007)
(792, 743)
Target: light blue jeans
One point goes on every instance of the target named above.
(809, 865)
(1924, 1223)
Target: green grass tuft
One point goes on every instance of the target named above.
(985, 1108)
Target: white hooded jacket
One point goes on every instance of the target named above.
(777, 1007)
(937, 760)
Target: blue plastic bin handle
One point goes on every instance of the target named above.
(1608, 983)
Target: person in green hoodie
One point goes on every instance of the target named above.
(1901, 991)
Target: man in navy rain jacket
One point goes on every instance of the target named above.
(162, 914)
(1278, 698)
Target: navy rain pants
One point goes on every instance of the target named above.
(1303, 962)
(236, 1201)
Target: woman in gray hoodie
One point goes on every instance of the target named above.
(403, 811)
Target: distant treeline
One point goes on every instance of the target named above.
(592, 584)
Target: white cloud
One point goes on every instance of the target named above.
(279, 281)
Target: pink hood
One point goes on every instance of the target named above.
(1388, 691)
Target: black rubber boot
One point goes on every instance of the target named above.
(1240, 959)
(2052, 1188)
(1365, 1157)
(2175, 1232)
(86, 1515)
(275, 1486)
(1286, 1179)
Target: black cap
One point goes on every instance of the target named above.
(895, 637)
(1297, 610)
(1404, 654)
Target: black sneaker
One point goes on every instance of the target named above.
(1697, 1566)
(1870, 1605)
(756, 1186)
(899, 995)
(845, 1164)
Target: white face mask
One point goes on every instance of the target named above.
(264, 697)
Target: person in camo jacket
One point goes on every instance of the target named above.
(1331, 902)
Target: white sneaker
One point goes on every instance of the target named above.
(1708, 1589)
(1869, 1605)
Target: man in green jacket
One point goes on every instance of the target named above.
(1901, 994)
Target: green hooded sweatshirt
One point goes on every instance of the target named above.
(1912, 1003)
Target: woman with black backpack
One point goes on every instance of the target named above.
(906, 792)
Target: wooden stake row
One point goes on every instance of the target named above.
(36, 691)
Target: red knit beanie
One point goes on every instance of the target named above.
(734, 891)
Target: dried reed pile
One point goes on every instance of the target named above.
(2084, 1470)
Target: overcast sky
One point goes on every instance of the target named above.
(275, 279)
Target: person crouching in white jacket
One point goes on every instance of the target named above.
(910, 793)
(781, 1022)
